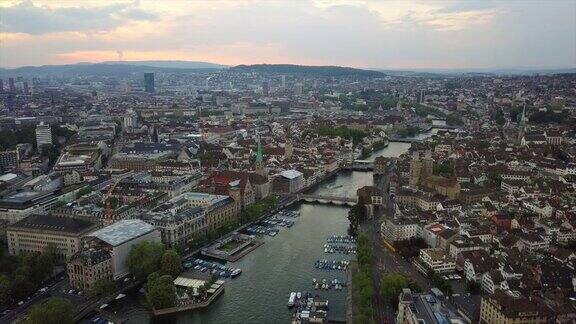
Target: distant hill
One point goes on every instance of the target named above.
(94, 69)
(171, 64)
(305, 69)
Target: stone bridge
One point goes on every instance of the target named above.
(327, 199)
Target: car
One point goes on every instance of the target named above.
(20, 303)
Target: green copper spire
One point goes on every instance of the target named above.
(259, 154)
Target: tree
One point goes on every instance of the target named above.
(161, 292)
(440, 282)
(392, 285)
(55, 310)
(145, 258)
(355, 215)
(473, 287)
(22, 286)
(454, 120)
(171, 263)
(5, 290)
(499, 117)
(84, 192)
(102, 287)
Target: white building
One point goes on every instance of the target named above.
(437, 260)
(119, 238)
(43, 134)
(399, 229)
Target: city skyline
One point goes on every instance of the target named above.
(363, 34)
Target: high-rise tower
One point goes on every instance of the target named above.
(149, 82)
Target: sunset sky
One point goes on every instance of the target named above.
(373, 34)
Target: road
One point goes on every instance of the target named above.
(385, 261)
(20, 311)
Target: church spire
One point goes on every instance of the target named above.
(259, 153)
(260, 157)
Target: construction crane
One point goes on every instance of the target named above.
(107, 203)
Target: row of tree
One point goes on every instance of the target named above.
(363, 287)
(22, 275)
(341, 131)
(256, 210)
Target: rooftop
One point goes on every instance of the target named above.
(54, 223)
(123, 231)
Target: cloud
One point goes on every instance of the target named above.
(27, 17)
(385, 34)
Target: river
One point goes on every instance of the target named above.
(283, 264)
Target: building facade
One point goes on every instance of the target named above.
(36, 233)
(88, 267)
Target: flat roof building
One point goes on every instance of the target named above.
(36, 232)
(119, 238)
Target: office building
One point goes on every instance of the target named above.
(149, 82)
(43, 134)
(11, 85)
(37, 232)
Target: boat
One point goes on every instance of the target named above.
(313, 280)
(298, 295)
(291, 299)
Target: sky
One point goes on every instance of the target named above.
(419, 34)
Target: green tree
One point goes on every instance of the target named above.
(161, 292)
(55, 310)
(454, 120)
(84, 192)
(392, 285)
(22, 286)
(499, 117)
(473, 287)
(102, 287)
(5, 290)
(145, 258)
(171, 263)
(440, 282)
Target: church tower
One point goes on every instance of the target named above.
(522, 126)
(415, 170)
(427, 165)
(260, 158)
(288, 148)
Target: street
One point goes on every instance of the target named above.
(385, 261)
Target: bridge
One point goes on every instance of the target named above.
(404, 139)
(326, 199)
(360, 165)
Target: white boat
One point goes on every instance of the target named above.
(313, 280)
(236, 273)
(291, 299)
(298, 295)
